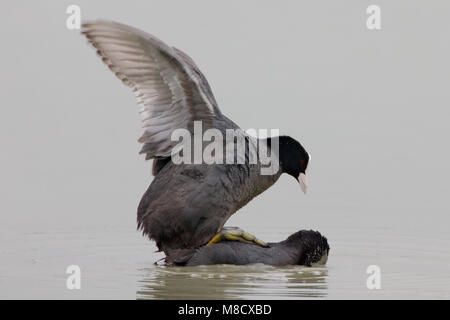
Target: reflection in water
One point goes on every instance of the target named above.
(232, 282)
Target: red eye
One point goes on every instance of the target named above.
(302, 162)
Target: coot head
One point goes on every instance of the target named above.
(314, 247)
(294, 160)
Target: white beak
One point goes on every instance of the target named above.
(303, 182)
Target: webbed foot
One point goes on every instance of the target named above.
(236, 234)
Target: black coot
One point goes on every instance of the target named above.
(301, 248)
(186, 205)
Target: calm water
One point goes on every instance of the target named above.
(370, 107)
(118, 263)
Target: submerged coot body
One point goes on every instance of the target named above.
(301, 248)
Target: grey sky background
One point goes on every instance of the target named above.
(371, 107)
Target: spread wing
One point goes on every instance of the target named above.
(169, 87)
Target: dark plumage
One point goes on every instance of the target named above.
(301, 248)
(186, 204)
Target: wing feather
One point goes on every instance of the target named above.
(169, 87)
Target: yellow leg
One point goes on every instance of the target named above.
(236, 234)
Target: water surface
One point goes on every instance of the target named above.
(119, 264)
